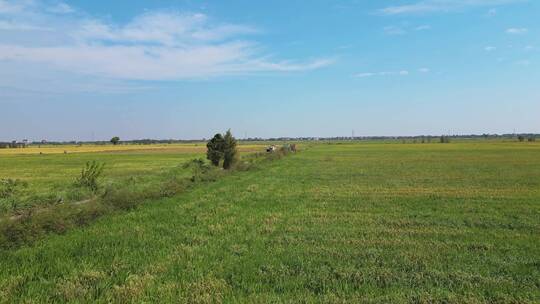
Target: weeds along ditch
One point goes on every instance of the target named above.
(31, 223)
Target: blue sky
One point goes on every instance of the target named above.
(81, 70)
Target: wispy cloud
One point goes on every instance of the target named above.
(158, 45)
(517, 31)
(436, 6)
(394, 30)
(422, 28)
(386, 73)
(61, 8)
(490, 48)
(404, 29)
(9, 7)
(16, 26)
(363, 75)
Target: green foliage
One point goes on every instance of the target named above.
(115, 140)
(9, 187)
(90, 175)
(444, 139)
(222, 147)
(29, 226)
(230, 152)
(521, 138)
(215, 149)
(201, 171)
(531, 139)
(123, 198)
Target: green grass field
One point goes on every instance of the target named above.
(364, 222)
(51, 175)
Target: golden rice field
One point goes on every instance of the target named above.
(86, 148)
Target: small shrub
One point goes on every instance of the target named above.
(531, 139)
(171, 188)
(14, 233)
(244, 165)
(122, 198)
(75, 194)
(88, 213)
(521, 138)
(201, 171)
(9, 187)
(43, 199)
(90, 175)
(51, 221)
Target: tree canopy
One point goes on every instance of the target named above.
(222, 148)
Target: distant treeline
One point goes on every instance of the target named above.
(427, 138)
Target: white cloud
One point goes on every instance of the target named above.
(386, 73)
(404, 29)
(435, 6)
(171, 29)
(160, 45)
(13, 26)
(517, 31)
(363, 75)
(424, 70)
(490, 48)
(61, 8)
(9, 7)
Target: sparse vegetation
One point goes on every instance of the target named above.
(9, 187)
(90, 175)
(444, 139)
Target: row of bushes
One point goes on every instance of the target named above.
(521, 138)
(32, 224)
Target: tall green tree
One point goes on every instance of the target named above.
(230, 153)
(115, 140)
(215, 149)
